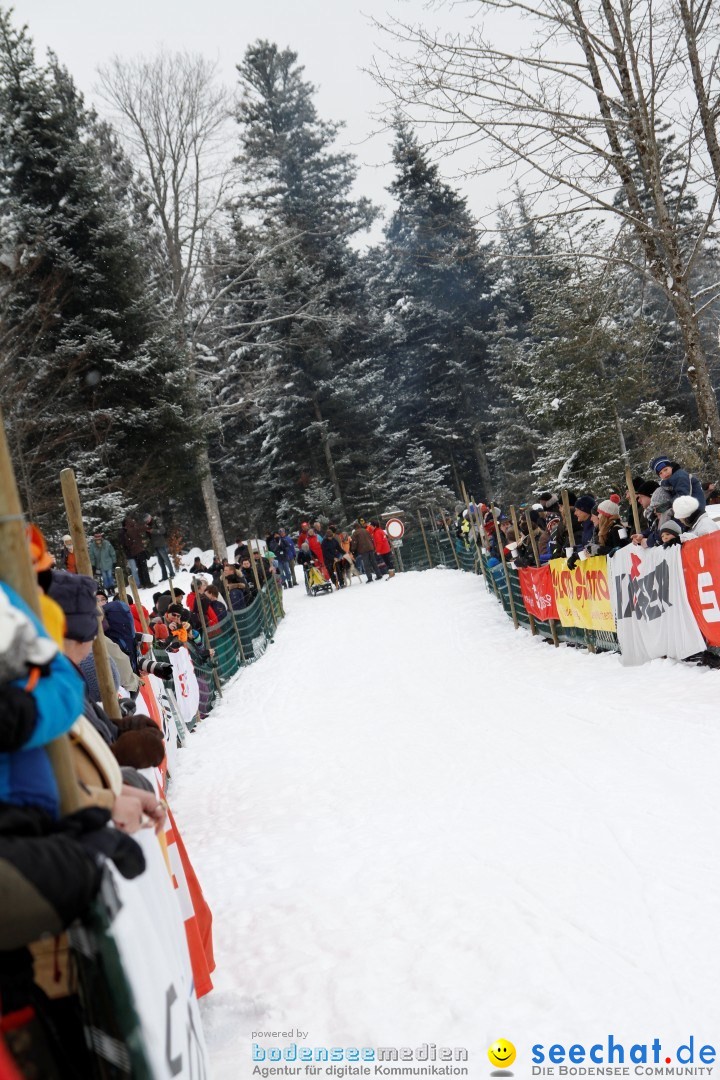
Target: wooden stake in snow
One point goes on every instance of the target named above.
(206, 636)
(447, 532)
(120, 583)
(501, 548)
(536, 556)
(17, 570)
(516, 527)
(73, 509)
(633, 499)
(422, 530)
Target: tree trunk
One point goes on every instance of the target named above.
(327, 451)
(483, 466)
(212, 507)
(697, 368)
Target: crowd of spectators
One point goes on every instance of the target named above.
(671, 505)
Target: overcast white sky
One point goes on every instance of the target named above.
(335, 40)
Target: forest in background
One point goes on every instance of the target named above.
(205, 335)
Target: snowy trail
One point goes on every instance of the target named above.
(414, 824)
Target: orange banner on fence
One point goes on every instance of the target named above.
(582, 595)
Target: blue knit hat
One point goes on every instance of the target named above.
(659, 463)
(585, 503)
(76, 595)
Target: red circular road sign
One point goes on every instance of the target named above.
(394, 528)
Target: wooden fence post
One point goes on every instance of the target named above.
(480, 531)
(447, 531)
(138, 604)
(265, 600)
(120, 583)
(536, 555)
(516, 527)
(633, 499)
(427, 547)
(201, 615)
(17, 570)
(73, 509)
(501, 547)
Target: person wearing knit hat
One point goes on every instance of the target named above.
(76, 595)
(694, 517)
(582, 510)
(677, 480)
(610, 533)
(669, 533)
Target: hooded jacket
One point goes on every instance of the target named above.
(26, 776)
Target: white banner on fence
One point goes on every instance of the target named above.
(150, 937)
(651, 608)
(168, 721)
(187, 691)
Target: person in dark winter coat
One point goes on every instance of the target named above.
(582, 511)
(363, 546)
(133, 545)
(158, 542)
(677, 480)
(281, 550)
(333, 557)
(291, 552)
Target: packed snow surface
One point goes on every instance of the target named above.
(416, 824)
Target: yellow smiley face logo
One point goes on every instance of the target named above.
(501, 1054)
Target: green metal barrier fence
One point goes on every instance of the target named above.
(234, 648)
(445, 554)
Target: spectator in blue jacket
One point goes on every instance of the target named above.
(291, 553)
(677, 480)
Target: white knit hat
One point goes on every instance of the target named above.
(685, 506)
(609, 507)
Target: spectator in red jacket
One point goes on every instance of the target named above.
(382, 546)
(211, 618)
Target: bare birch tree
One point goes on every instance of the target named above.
(174, 115)
(582, 113)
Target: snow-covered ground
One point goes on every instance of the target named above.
(415, 824)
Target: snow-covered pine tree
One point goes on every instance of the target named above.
(91, 377)
(434, 287)
(580, 370)
(313, 382)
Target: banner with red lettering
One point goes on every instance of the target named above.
(654, 617)
(582, 594)
(701, 566)
(537, 592)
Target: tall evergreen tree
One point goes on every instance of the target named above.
(313, 383)
(91, 379)
(435, 286)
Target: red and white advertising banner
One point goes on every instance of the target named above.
(537, 592)
(651, 607)
(148, 931)
(701, 563)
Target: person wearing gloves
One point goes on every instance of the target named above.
(694, 518)
(677, 480)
